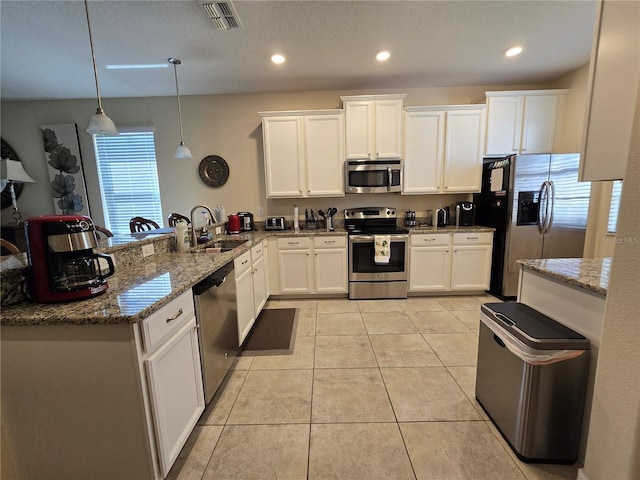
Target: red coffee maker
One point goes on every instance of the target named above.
(63, 264)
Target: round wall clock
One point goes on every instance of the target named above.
(8, 152)
(214, 171)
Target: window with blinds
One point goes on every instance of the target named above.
(614, 206)
(128, 178)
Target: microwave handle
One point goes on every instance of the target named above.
(389, 178)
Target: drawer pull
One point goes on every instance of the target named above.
(429, 239)
(472, 238)
(293, 243)
(244, 262)
(171, 319)
(258, 252)
(329, 242)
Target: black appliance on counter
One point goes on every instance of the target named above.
(367, 278)
(246, 221)
(465, 214)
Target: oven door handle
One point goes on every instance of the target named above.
(371, 238)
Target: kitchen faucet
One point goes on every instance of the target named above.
(194, 238)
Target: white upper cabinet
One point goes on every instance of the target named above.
(423, 151)
(612, 91)
(523, 121)
(283, 156)
(463, 150)
(324, 154)
(303, 153)
(373, 126)
(443, 149)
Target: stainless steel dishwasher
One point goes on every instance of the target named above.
(217, 319)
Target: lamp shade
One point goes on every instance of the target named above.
(183, 151)
(12, 170)
(100, 124)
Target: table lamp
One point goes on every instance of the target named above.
(11, 173)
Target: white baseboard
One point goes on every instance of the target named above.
(582, 475)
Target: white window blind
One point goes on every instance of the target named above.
(615, 205)
(128, 178)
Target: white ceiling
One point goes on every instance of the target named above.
(329, 45)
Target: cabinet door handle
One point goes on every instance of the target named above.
(455, 250)
(171, 319)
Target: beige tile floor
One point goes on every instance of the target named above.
(376, 389)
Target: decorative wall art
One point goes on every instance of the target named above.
(62, 153)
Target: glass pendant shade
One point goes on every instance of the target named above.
(100, 124)
(183, 152)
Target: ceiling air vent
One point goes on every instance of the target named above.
(222, 14)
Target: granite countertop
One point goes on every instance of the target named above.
(137, 291)
(588, 273)
(450, 229)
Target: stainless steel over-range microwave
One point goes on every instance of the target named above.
(373, 176)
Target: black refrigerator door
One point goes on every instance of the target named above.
(492, 210)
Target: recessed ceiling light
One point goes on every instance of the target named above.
(134, 66)
(513, 51)
(383, 55)
(277, 58)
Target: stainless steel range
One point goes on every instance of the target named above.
(372, 275)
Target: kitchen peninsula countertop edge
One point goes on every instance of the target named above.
(590, 274)
(137, 291)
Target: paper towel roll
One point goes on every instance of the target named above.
(296, 224)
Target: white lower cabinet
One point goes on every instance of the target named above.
(471, 261)
(244, 295)
(450, 262)
(108, 401)
(176, 392)
(430, 263)
(294, 265)
(330, 264)
(251, 287)
(258, 278)
(298, 274)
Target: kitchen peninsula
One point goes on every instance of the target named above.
(573, 292)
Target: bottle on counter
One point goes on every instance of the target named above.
(182, 236)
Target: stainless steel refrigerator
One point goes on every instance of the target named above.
(538, 208)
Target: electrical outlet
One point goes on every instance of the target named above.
(147, 250)
(260, 212)
(218, 230)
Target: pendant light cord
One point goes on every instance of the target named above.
(93, 58)
(175, 73)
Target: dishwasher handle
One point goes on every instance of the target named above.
(215, 280)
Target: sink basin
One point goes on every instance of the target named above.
(224, 246)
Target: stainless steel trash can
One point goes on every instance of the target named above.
(531, 381)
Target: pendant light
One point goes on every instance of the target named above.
(182, 151)
(99, 124)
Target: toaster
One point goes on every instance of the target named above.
(274, 223)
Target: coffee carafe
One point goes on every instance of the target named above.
(62, 261)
